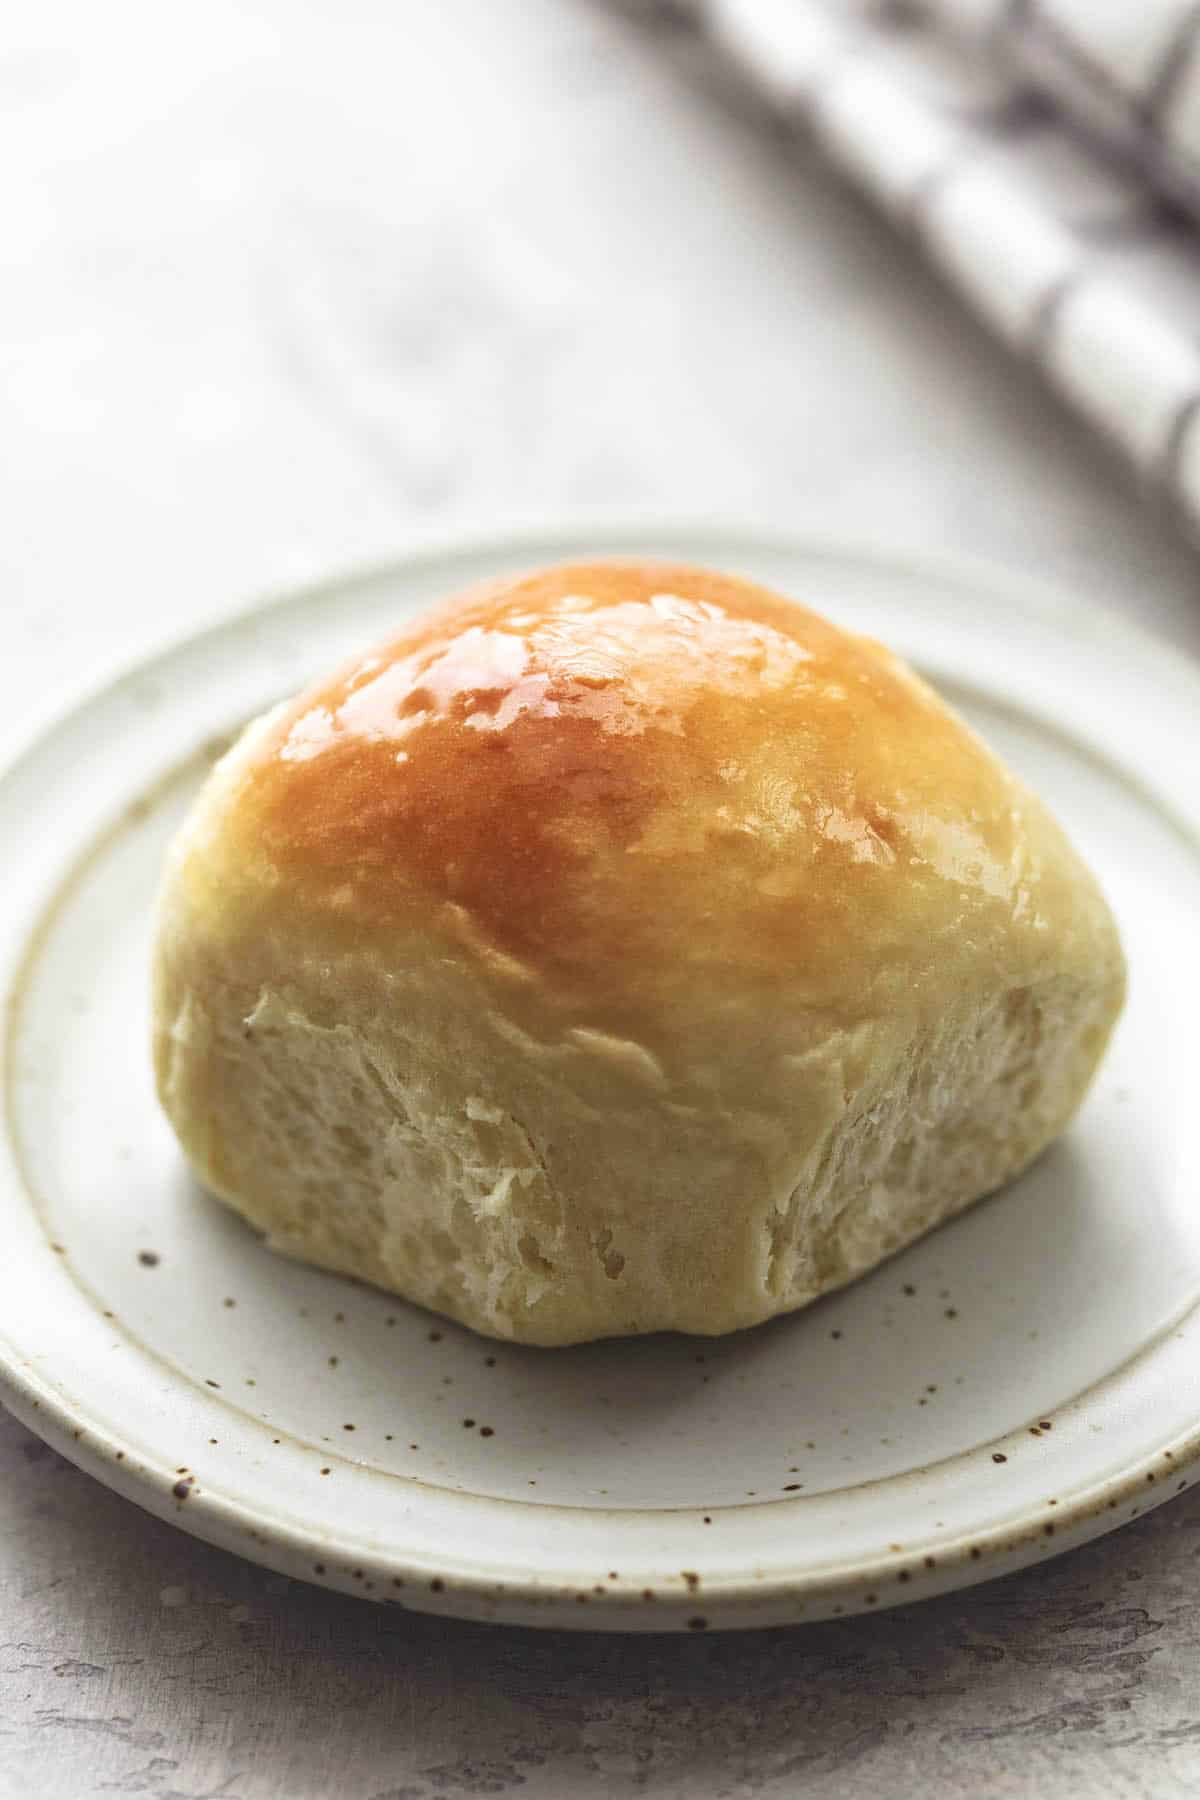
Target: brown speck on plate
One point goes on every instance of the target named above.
(998, 1456)
(149, 1259)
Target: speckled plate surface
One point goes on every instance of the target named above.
(1022, 1380)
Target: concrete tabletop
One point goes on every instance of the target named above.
(284, 284)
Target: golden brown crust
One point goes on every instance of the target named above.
(653, 769)
(621, 948)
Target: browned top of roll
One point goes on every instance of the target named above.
(632, 774)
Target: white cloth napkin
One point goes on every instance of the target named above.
(1045, 154)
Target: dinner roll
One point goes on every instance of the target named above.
(620, 948)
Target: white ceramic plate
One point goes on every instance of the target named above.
(1022, 1380)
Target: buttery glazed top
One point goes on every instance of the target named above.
(626, 779)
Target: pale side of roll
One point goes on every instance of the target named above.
(621, 948)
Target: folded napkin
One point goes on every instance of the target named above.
(1045, 154)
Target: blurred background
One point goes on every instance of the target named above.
(285, 286)
(290, 285)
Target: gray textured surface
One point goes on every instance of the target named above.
(138, 1662)
(280, 284)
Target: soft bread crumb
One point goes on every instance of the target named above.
(624, 950)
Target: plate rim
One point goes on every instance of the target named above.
(229, 1521)
(570, 531)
